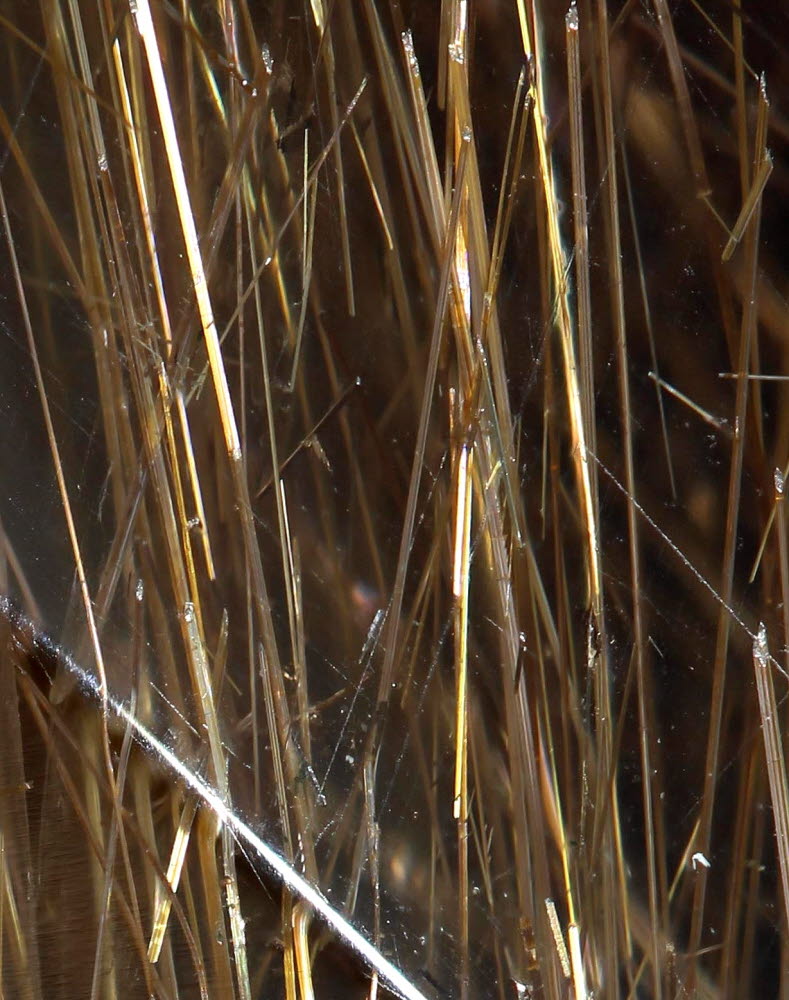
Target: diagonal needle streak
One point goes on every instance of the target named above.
(212, 799)
(142, 15)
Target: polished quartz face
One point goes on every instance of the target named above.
(393, 437)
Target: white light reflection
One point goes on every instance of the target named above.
(276, 864)
(287, 875)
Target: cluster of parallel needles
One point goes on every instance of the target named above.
(395, 425)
